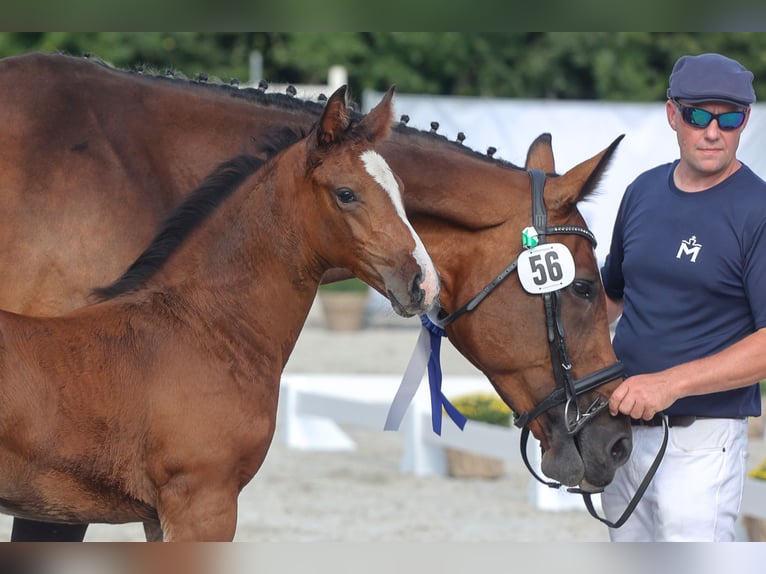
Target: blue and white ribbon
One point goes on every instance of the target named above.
(426, 355)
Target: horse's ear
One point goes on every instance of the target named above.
(335, 118)
(378, 121)
(540, 154)
(563, 192)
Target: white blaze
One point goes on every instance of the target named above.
(378, 168)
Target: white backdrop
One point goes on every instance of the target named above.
(579, 129)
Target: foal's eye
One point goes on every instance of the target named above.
(345, 195)
(582, 289)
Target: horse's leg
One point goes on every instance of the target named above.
(208, 513)
(153, 531)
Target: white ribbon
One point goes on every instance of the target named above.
(411, 379)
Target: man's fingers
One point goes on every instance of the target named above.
(615, 401)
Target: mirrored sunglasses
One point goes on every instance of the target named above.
(701, 118)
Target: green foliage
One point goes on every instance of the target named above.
(484, 407)
(617, 66)
(221, 55)
(352, 285)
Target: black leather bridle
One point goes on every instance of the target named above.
(567, 390)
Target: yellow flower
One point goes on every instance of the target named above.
(759, 472)
(484, 407)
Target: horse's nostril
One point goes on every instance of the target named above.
(620, 450)
(419, 297)
(416, 281)
(416, 292)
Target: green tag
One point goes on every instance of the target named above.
(529, 238)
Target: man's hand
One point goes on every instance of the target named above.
(642, 396)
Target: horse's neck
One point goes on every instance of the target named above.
(248, 266)
(187, 130)
(230, 130)
(462, 206)
(444, 181)
(449, 185)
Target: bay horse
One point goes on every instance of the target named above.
(92, 157)
(158, 403)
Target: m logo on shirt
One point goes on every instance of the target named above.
(690, 248)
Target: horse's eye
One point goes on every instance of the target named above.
(582, 289)
(345, 195)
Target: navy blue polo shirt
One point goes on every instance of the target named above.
(691, 271)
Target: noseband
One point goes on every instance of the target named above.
(567, 390)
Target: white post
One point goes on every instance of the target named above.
(336, 77)
(421, 457)
(256, 67)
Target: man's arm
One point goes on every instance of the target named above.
(739, 365)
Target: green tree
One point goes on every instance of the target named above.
(619, 66)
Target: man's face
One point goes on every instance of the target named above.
(706, 151)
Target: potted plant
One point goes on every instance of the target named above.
(482, 407)
(344, 304)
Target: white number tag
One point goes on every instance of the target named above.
(546, 268)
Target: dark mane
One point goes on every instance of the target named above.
(260, 96)
(406, 130)
(182, 221)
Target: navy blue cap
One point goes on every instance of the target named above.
(711, 78)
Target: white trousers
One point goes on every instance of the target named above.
(696, 493)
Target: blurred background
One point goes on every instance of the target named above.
(607, 66)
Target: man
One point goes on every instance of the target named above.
(687, 270)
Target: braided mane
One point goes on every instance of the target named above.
(262, 97)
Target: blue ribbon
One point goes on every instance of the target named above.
(438, 399)
(425, 356)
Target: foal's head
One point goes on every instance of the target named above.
(357, 215)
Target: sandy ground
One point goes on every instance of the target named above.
(361, 495)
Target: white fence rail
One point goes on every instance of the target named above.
(313, 406)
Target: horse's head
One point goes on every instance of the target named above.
(560, 337)
(358, 212)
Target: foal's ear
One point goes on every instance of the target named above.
(335, 118)
(378, 121)
(564, 192)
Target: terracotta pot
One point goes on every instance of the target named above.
(344, 311)
(755, 528)
(462, 464)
